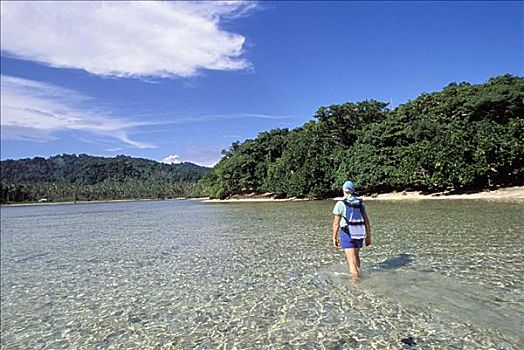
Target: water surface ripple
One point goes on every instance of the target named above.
(190, 275)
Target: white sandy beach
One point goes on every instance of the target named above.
(502, 194)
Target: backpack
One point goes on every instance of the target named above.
(355, 228)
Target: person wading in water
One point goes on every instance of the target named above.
(351, 228)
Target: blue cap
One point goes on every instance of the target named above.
(348, 185)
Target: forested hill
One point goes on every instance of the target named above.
(83, 177)
(465, 137)
(89, 170)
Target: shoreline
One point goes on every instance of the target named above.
(507, 194)
(89, 202)
(513, 194)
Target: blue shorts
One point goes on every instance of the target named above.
(347, 242)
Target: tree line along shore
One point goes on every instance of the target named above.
(464, 138)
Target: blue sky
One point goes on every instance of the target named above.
(182, 81)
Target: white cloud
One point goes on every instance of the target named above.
(197, 154)
(172, 159)
(125, 39)
(35, 110)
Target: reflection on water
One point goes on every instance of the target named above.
(183, 274)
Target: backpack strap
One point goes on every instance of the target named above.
(353, 205)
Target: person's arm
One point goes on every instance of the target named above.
(368, 229)
(336, 227)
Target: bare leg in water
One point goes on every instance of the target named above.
(354, 263)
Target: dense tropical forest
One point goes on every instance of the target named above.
(465, 137)
(82, 177)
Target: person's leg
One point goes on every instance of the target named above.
(358, 244)
(354, 265)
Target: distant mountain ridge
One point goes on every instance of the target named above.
(90, 170)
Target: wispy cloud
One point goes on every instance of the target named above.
(249, 115)
(34, 110)
(181, 118)
(126, 39)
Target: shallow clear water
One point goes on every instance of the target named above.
(184, 274)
